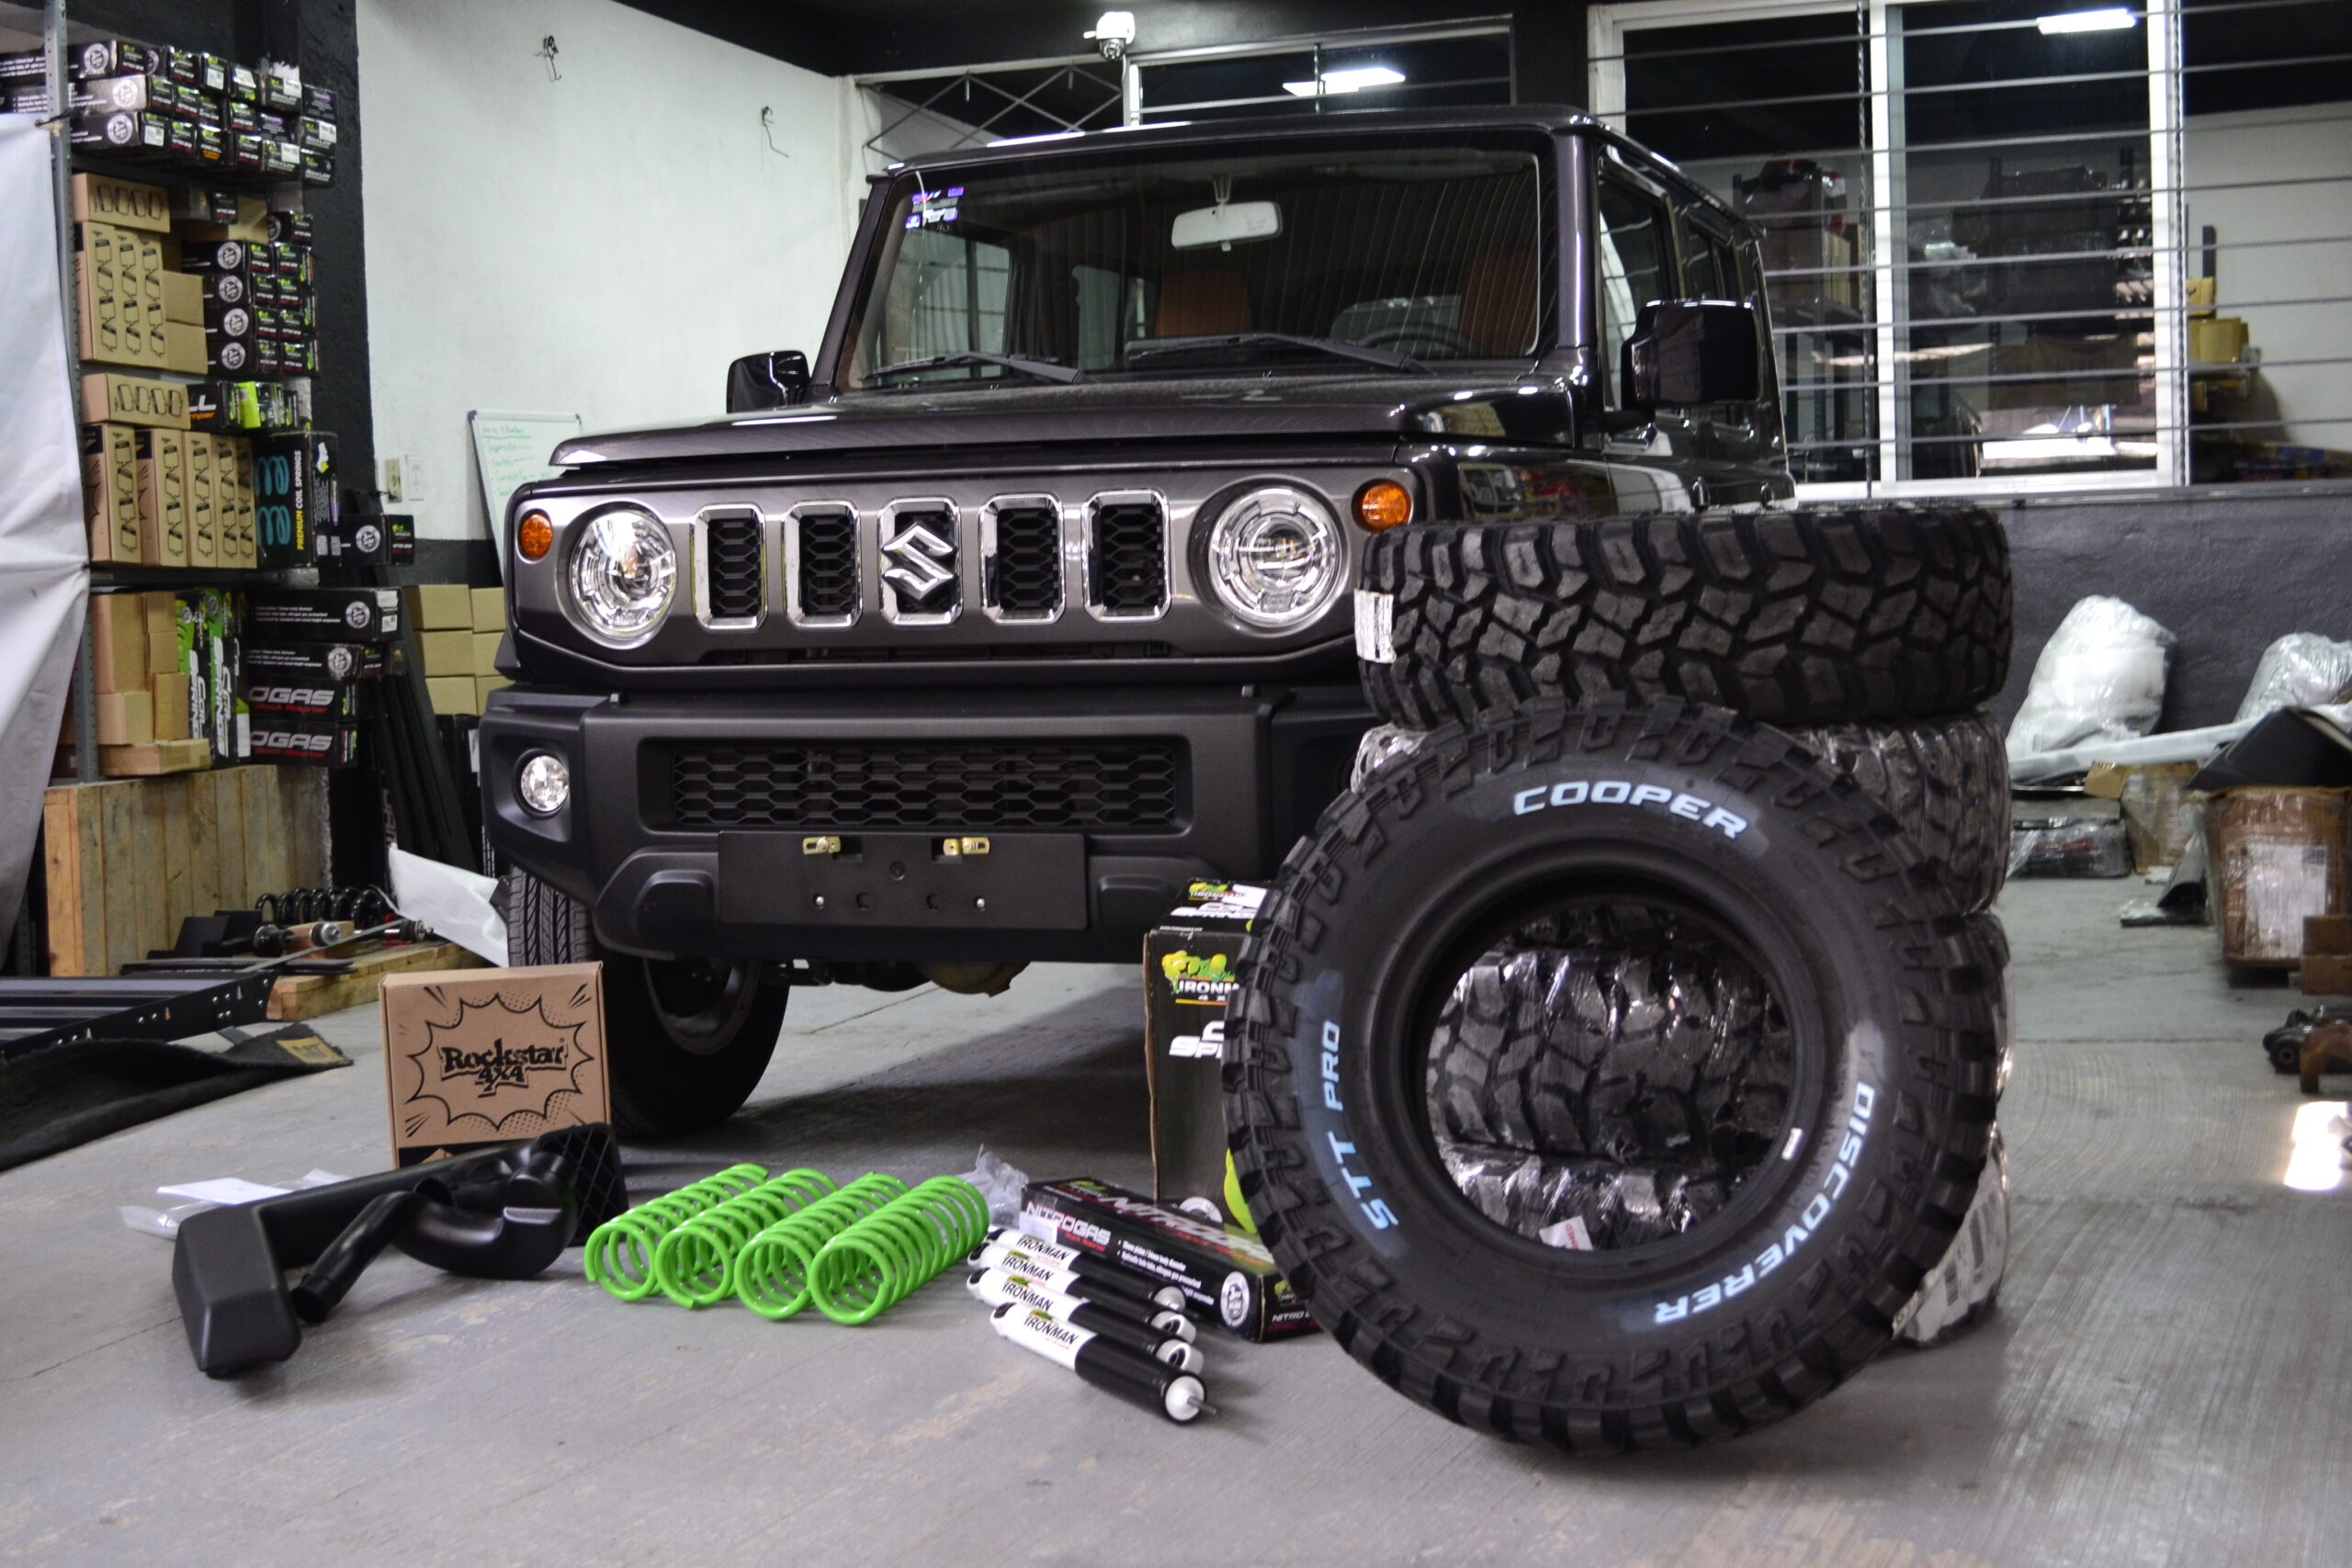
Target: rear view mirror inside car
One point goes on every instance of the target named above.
(1227, 224)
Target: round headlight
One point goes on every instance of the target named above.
(1275, 557)
(544, 784)
(624, 570)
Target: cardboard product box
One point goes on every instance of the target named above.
(244, 84)
(225, 355)
(2218, 340)
(203, 520)
(159, 610)
(110, 492)
(446, 653)
(171, 707)
(218, 290)
(292, 738)
(325, 614)
(109, 57)
(485, 652)
(317, 166)
(183, 348)
(216, 256)
(301, 700)
(126, 718)
(294, 494)
(289, 226)
(231, 217)
(476, 1056)
(117, 642)
(1228, 1272)
(245, 149)
(452, 696)
(1187, 974)
(157, 757)
(313, 664)
(127, 204)
(217, 653)
(130, 400)
(483, 686)
(2274, 858)
(489, 609)
(163, 497)
(184, 297)
(24, 65)
(365, 538)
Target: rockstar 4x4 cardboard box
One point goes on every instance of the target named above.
(477, 1056)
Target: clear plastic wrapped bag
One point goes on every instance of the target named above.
(2301, 670)
(1381, 743)
(2100, 677)
(1607, 1076)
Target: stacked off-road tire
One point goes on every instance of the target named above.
(1616, 1065)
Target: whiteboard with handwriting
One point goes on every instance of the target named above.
(511, 450)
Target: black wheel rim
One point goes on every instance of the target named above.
(701, 1004)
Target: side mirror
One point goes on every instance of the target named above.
(1688, 352)
(775, 381)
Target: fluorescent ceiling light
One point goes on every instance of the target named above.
(2114, 18)
(1043, 136)
(1355, 79)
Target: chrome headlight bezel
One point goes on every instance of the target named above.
(1274, 542)
(589, 579)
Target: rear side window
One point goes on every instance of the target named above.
(1634, 255)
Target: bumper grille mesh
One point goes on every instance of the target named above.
(735, 579)
(1109, 786)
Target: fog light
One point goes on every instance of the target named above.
(544, 784)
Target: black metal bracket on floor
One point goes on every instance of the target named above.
(36, 1015)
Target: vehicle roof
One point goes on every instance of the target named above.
(1553, 117)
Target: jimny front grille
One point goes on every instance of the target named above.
(994, 786)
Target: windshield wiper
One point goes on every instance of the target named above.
(1037, 369)
(1338, 348)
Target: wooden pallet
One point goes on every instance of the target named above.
(128, 859)
(298, 997)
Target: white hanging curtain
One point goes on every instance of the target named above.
(44, 555)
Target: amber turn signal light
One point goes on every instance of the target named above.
(535, 536)
(1384, 503)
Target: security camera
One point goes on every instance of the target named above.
(1114, 32)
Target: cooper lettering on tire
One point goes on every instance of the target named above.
(1598, 1123)
(1818, 615)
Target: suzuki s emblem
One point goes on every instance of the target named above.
(919, 566)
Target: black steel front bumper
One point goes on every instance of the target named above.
(1254, 767)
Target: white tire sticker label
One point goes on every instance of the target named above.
(1375, 627)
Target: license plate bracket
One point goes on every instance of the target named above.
(1022, 882)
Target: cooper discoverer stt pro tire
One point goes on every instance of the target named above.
(1945, 780)
(1775, 1290)
(1817, 615)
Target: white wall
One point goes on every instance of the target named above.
(601, 245)
(2275, 144)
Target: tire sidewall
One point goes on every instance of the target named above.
(1818, 1232)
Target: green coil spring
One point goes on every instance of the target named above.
(773, 1273)
(695, 1264)
(621, 1251)
(885, 1258)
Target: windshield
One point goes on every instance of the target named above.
(1208, 260)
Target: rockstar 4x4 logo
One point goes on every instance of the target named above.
(512, 1062)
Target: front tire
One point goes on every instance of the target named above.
(687, 1039)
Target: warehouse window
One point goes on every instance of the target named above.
(1976, 223)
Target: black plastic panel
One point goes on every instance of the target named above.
(1109, 786)
(737, 584)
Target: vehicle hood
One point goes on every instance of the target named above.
(1255, 410)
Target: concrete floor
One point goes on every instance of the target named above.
(2166, 1381)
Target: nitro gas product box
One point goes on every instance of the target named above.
(1227, 1273)
(1188, 972)
(270, 701)
(313, 664)
(290, 737)
(325, 615)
